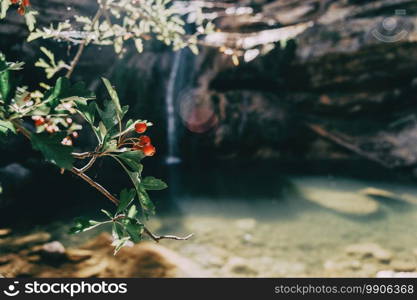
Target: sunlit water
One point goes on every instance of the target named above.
(249, 225)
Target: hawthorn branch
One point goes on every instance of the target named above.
(82, 46)
(157, 238)
(100, 188)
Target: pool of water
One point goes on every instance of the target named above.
(256, 225)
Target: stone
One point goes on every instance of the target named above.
(340, 201)
(24, 241)
(239, 266)
(403, 266)
(5, 231)
(54, 247)
(77, 255)
(367, 250)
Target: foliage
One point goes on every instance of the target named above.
(116, 138)
(47, 118)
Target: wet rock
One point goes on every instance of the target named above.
(54, 247)
(379, 193)
(96, 259)
(77, 255)
(24, 241)
(403, 266)
(342, 202)
(334, 266)
(239, 266)
(370, 250)
(245, 224)
(5, 232)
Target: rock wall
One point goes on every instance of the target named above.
(316, 79)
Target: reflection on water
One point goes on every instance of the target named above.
(265, 224)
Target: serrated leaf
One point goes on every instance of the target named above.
(146, 203)
(87, 111)
(108, 115)
(134, 229)
(126, 197)
(53, 150)
(114, 97)
(30, 19)
(132, 159)
(6, 126)
(152, 183)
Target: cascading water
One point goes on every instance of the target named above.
(171, 95)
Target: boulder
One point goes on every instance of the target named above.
(370, 250)
(348, 203)
(96, 259)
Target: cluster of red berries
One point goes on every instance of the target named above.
(144, 142)
(22, 6)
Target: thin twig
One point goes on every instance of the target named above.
(82, 46)
(157, 238)
(95, 185)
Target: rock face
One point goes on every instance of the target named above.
(96, 259)
(316, 80)
(348, 79)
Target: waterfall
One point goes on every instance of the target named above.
(170, 97)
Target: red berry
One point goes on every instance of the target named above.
(144, 140)
(21, 10)
(149, 150)
(26, 3)
(140, 127)
(38, 120)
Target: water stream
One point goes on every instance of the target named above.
(170, 97)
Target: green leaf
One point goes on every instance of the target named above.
(6, 126)
(132, 159)
(82, 224)
(107, 213)
(5, 84)
(126, 197)
(132, 212)
(53, 150)
(108, 115)
(152, 183)
(63, 90)
(30, 19)
(117, 231)
(135, 230)
(146, 203)
(114, 97)
(4, 6)
(87, 111)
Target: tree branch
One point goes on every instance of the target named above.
(157, 238)
(82, 46)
